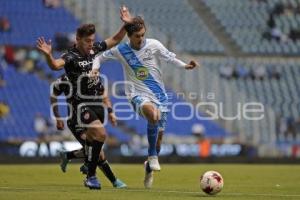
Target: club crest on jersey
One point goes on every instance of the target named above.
(148, 55)
(86, 116)
(142, 73)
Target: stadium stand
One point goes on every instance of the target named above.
(275, 88)
(257, 28)
(181, 22)
(40, 20)
(179, 25)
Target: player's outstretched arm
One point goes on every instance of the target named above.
(170, 57)
(46, 49)
(54, 107)
(192, 64)
(118, 37)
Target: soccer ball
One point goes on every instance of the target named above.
(211, 182)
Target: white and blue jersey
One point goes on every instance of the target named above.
(142, 68)
(143, 75)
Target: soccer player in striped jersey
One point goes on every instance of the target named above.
(140, 59)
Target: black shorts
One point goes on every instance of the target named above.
(88, 114)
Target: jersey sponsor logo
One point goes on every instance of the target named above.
(83, 64)
(141, 73)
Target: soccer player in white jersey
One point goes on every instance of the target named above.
(146, 92)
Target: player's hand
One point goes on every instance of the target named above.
(125, 15)
(94, 73)
(112, 119)
(43, 46)
(191, 65)
(60, 124)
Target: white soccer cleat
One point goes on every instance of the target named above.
(153, 163)
(148, 180)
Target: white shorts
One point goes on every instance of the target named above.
(137, 103)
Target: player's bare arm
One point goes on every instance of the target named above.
(111, 115)
(54, 107)
(118, 37)
(46, 48)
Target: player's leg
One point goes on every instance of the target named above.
(104, 166)
(67, 156)
(145, 108)
(95, 137)
(152, 114)
(148, 180)
(159, 141)
(158, 147)
(103, 163)
(161, 128)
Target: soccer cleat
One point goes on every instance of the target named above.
(153, 163)
(92, 183)
(64, 161)
(84, 168)
(119, 184)
(148, 180)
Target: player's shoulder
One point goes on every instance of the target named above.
(121, 44)
(70, 54)
(100, 46)
(120, 47)
(110, 52)
(153, 42)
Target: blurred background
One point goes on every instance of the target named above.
(248, 51)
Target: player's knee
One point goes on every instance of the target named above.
(154, 117)
(151, 113)
(100, 134)
(97, 133)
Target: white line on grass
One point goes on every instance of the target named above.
(166, 191)
(192, 192)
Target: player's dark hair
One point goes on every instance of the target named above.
(137, 24)
(86, 30)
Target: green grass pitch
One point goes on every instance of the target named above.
(46, 181)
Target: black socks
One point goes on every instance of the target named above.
(93, 151)
(104, 166)
(75, 154)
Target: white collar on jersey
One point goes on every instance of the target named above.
(142, 46)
